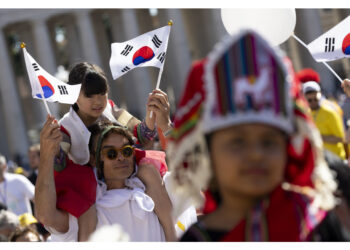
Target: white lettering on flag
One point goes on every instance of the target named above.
(54, 90)
(147, 50)
(332, 45)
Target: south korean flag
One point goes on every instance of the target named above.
(147, 50)
(42, 83)
(332, 45)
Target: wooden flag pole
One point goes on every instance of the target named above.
(23, 45)
(324, 63)
(170, 23)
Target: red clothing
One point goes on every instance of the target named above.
(75, 188)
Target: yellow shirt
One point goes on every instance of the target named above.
(333, 105)
(329, 122)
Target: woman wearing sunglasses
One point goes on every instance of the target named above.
(120, 195)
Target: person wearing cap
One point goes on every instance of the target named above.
(326, 119)
(307, 75)
(243, 138)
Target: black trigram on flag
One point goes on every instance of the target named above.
(63, 89)
(329, 45)
(127, 50)
(126, 69)
(35, 66)
(156, 41)
(161, 57)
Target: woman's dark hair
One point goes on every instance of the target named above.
(96, 130)
(92, 78)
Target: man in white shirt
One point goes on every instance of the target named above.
(16, 191)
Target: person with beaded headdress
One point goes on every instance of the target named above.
(246, 151)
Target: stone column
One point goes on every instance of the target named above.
(178, 60)
(75, 52)
(139, 85)
(291, 48)
(13, 114)
(104, 43)
(308, 28)
(204, 29)
(4, 149)
(87, 37)
(45, 57)
(119, 86)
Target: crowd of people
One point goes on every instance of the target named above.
(254, 152)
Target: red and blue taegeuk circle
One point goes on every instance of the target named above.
(46, 86)
(346, 45)
(142, 55)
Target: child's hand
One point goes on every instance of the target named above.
(158, 102)
(50, 137)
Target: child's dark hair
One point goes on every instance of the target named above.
(96, 130)
(92, 78)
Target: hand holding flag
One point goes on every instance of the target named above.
(44, 84)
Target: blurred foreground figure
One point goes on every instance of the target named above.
(242, 135)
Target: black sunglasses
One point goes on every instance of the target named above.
(312, 99)
(112, 153)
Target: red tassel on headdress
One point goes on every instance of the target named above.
(210, 204)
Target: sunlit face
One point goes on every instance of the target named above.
(248, 159)
(313, 98)
(120, 168)
(34, 159)
(92, 106)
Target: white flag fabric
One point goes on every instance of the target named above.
(54, 90)
(147, 50)
(332, 45)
